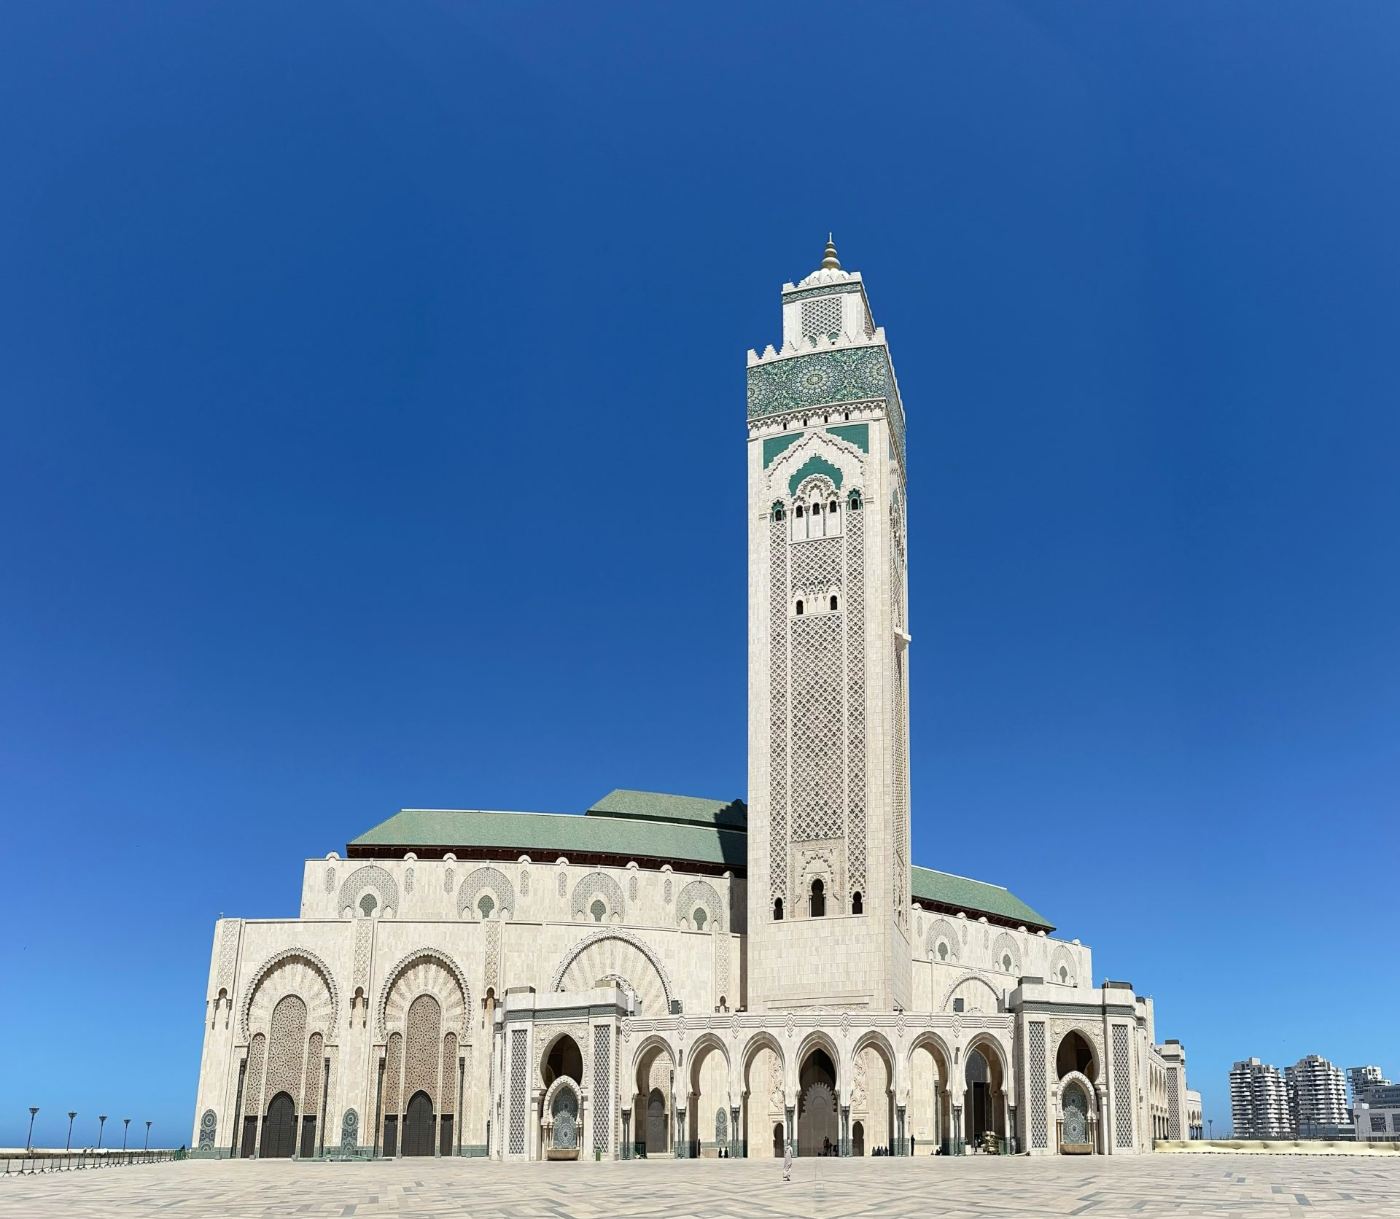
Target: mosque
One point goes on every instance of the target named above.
(668, 975)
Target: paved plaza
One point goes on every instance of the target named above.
(1251, 1187)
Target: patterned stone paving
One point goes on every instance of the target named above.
(1181, 1186)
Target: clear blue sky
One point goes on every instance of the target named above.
(372, 388)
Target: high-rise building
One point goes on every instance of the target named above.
(1259, 1101)
(1317, 1097)
(1361, 1080)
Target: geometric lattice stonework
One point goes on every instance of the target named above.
(1173, 1106)
(1122, 1088)
(855, 700)
(602, 1104)
(821, 317)
(1035, 1084)
(287, 1046)
(818, 744)
(777, 711)
(518, 1070)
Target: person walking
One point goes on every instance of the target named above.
(787, 1160)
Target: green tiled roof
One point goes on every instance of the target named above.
(647, 826)
(659, 806)
(547, 835)
(974, 896)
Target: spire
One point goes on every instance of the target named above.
(829, 260)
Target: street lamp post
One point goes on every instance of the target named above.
(1211, 1122)
(68, 1146)
(126, 1121)
(29, 1141)
(101, 1122)
(146, 1146)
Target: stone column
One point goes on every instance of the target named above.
(1101, 1119)
(626, 1150)
(734, 1139)
(937, 1108)
(846, 1130)
(955, 1140)
(789, 1132)
(678, 1137)
(1012, 1139)
(581, 1132)
(900, 1147)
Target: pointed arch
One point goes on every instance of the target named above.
(442, 977)
(300, 966)
(971, 976)
(607, 964)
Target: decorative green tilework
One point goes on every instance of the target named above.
(814, 465)
(846, 374)
(774, 445)
(801, 294)
(857, 434)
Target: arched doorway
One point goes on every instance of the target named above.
(418, 1126)
(279, 1130)
(857, 1138)
(653, 1084)
(762, 1098)
(656, 1123)
(930, 1074)
(707, 1075)
(777, 1140)
(817, 1126)
(565, 1058)
(984, 1099)
(1075, 1054)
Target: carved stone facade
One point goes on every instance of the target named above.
(691, 977)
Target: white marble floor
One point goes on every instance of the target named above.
(1180, 1186)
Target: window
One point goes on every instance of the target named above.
(942, 950)
(778, 910)
(832, 507)
(1064, 974)
(857, 906)
(1006, 962)
(699, 918)
(958, 1005)
(817, 902)
(855, 501)
(597, 910)
(778, 513)
(797, 512)
(833, 602)
(367, 904)
(485, 905)
(799, 607)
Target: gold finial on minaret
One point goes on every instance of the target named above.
(829, 260)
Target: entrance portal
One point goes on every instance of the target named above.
(279, 1129)
(817, 1130)
(418, 1126)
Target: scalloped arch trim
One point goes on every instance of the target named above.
(279, 958)
(402, 966)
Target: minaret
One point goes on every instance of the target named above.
(828, 876)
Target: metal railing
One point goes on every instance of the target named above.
(76, 1161)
